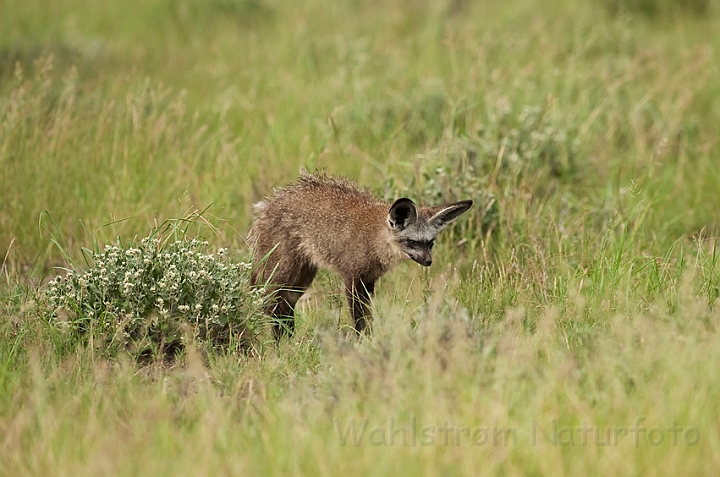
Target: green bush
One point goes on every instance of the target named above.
(532, 146)
(655, 8)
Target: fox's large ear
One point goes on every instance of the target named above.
(449, 212)
(402, 214)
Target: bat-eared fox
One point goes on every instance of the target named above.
(329, 223)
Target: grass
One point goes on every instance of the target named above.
(577, 300)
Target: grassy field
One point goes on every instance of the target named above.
(568, 325)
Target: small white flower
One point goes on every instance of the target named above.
(198, 307)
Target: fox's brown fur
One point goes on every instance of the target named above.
(321, 222)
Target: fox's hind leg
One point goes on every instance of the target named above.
(287, 272)
(291, 279)
(358, 295)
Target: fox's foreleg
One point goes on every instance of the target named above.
(359, 293)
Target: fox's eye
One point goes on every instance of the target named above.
(413, 243)
(431, 243)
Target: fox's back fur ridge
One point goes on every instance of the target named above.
(330, 223)
(311, 216)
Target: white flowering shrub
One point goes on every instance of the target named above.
(148, 298)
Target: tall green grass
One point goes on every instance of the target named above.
(579, 294)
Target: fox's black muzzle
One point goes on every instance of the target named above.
(424, 259)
